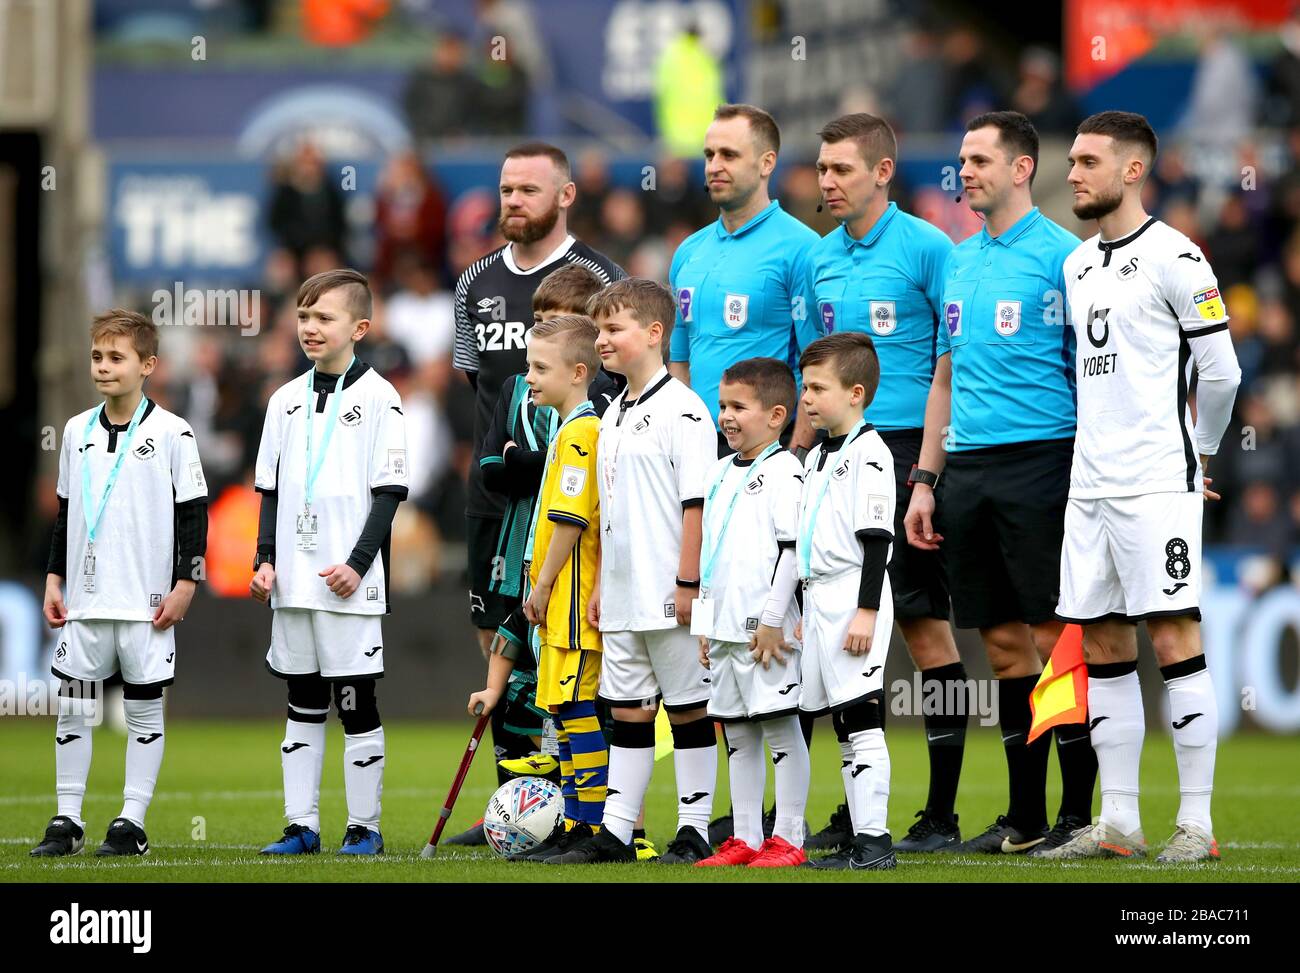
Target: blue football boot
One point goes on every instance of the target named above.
(360, 840)
(297, 840)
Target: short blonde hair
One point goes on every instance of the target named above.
(576, 335)
(132, 325)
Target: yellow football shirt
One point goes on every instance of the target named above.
(570, 494)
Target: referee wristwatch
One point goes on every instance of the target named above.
(919, 475)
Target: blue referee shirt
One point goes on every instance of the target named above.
(889, 284)
(1005, 325)
(741, 295)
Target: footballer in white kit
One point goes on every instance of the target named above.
(1151, 326)
(764, 524)
(655, 454)
(848, 495)
(115, 592)
(314, 630)
(1152, 335)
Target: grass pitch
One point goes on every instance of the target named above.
(219, 800)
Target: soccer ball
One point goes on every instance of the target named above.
(522, 814)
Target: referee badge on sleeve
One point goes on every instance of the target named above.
(1007, 321)
(952, 318)
(685, 302)
(735, 310)
(572, 480)
(828, 316)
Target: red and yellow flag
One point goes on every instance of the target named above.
(1061, 695)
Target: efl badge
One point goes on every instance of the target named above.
(1209, 304)
(879, 508)
(1007, 321)
(952, 317)
(828, 316)
(735, 310)
(572, 480)
(685, 300)
(196, 474)
(883, 320)
(397, 461)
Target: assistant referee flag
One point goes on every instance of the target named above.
(1061, 695)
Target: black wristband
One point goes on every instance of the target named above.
(687, 584)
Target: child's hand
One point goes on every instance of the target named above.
(487, 698)
(56, 612)
(861, 631)
(535, 606)
(262, 583)
(798, 630)
(682, 598)
(175, 605)
(767, 644)
(593, 607)
(341, 579)
(704, 651)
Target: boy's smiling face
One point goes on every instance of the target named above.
(743, 419)
(623, 342)
(549, 376)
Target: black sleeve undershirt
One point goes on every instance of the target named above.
(520, 475)
(58, 563)
(378, 523)
(266, 525)
(191, 537)
(875, 558)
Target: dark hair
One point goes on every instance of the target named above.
(875, 139)
(1016, 134)
(1123, 126)
(770, 378)
(851, 355)
(647, 300)
(356, 289)
(132, 325)
(576, 334)
(762, 124)
(567, 289)
(529, 150)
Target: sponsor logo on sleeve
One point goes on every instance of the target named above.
(1209, 304)
(686, 302)
(952, 318)
(827, 310)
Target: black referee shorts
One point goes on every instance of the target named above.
(918, 578)
(1001, 512)
(487, 609)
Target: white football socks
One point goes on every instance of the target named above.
(302, 753)
(748, 774)
(72, 750)
(144, 753)
(363, 776)
(1118, 728)
(629, 777)
(869, 778)
(1194, 716)
(792, 771)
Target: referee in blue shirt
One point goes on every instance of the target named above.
(881, 273)
(740, 282)
(1001, 412)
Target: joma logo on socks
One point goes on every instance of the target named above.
(133, 927)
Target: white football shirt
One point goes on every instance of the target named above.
(858, 478)
(655, 455)
(766, 513)
(1135, 303)
(366, 451)
(135, 540)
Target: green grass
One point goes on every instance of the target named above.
(219, 801)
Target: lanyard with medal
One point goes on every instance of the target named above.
(703, 606)
(94, 511)
(308, 525)
(808, 516)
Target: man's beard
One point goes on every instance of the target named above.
(532, 229)
(1100, 205)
